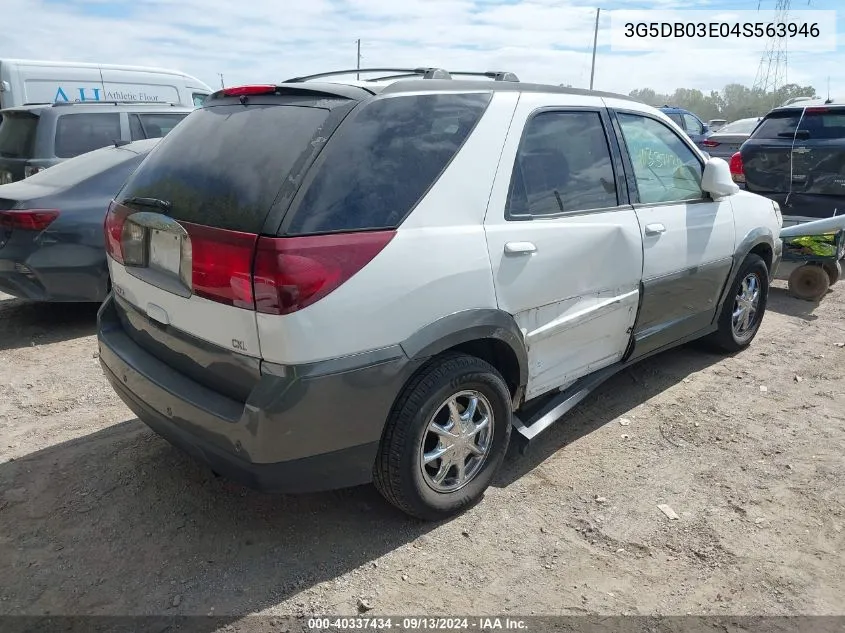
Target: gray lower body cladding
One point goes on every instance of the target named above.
(299, 429)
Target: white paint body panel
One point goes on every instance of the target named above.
(435, 266)
(575, 298)
(697, 234)
(210, 321)
(752, 214)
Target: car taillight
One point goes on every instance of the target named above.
(221, 264)
(292, 273)
(31, 170)
(710, 143)
(28, 219)
(737, 172)
(113, 228)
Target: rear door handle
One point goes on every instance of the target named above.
(654, 229)
(520, 248)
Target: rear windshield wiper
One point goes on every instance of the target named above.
(154, 203)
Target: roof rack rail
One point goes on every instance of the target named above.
(113, 102)
(495, 75)
(402, 73)
(427, 73)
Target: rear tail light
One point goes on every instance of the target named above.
(710, 143)
(31, 170)
(221, 264)
(113, 228)
(737, 172)
(273, 275)
(292, 273)
(28, 219)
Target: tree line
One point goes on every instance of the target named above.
(733, 102)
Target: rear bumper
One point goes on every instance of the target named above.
(298, 431)
(39, 276)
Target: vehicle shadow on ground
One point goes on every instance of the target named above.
(612, 400)
(118, 522)
(782, 302)
(26, 323)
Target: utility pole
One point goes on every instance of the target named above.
(595, 46)
(222, 85)
(358, 75)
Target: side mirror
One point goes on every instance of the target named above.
(717, 180)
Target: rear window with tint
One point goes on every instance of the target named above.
(743, 126)
(80, 133)
(815, 124)
(17, 135)
(224, 165)
(382, 160)
(72, 172)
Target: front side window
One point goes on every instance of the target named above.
(80, 133)
(665, 168)
(563, 164)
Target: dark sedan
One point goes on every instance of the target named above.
(729, 138)
(51, 225)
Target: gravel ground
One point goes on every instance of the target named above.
(100, 516)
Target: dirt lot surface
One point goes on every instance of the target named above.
(100, 516)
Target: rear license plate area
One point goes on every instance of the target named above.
(165, 252)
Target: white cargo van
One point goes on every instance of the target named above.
(24, 82)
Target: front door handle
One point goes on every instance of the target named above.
(654, 229)
(520, 248)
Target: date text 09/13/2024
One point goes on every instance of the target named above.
(416, 623)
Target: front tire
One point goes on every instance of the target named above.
(743, 310)
(445, 439)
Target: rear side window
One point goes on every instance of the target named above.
(563, 164)
(80, 133)
(816, 123)
(17, 135)
(143, 126)
(383, 159)
(223, 165)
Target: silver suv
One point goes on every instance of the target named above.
(34, 137)
(321, 284)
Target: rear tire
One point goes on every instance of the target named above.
(834, 271)
(439, 451)
(744, 307)
(809, 282)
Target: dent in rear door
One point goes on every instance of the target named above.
(570, 278)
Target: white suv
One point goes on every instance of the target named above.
(321, 284)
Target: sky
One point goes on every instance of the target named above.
(260, 41)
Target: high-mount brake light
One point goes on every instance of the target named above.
(246, 91)
(28, 219)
